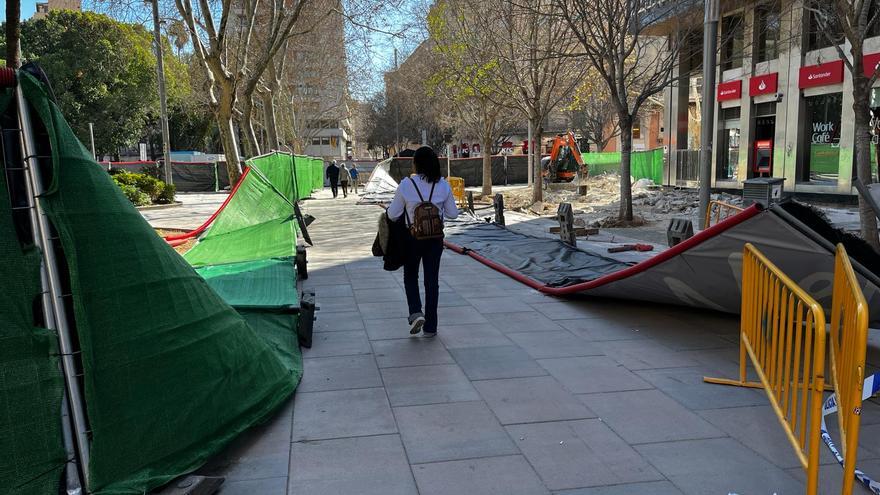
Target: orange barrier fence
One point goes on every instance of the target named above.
(782, 331)
(719, 210)
(848, 341)
(457, 184)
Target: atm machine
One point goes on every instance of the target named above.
(762, 164)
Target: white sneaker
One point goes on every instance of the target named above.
(416, 322)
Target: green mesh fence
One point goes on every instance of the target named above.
(317, 174)
(31, 384)
(171, 372)
(257, 223)
(278, 170)
(263, 284)
(302, 166)
(643, 164)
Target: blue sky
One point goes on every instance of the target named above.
(27, 8)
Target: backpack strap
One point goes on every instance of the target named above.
(432, 190)
(416, 187)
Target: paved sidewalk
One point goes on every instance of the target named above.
(520, 394)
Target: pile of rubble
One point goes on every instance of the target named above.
(599, 207)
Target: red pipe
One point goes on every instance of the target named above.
(176, 242)
(666, 255)
(201, 228)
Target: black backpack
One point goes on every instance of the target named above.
(427, 223)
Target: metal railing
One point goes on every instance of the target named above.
(782, 331)
(687, 166)
(849, 340)
(719, 210)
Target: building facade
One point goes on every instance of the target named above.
(43, 8)
(784, 104)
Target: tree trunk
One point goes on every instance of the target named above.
(535, 146)
(13, 34)
(487, 162)
(626, 207)
(271, 122)
(230, 147)
(251, 146)
(861, 107)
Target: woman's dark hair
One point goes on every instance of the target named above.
(426, 163)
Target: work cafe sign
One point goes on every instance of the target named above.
(821, 75)
(730, 91)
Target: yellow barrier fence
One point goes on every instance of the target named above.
(457, 184)
(849, 340)
(719, 210)
(782, 330)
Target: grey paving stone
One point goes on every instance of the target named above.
(686, 386)
(317, 280)
(342, 413)
(567, 310)
(485, 363)
(531, 400)
(497, 304)
(644, 354)
(444, 432)
(758, 429)
(387, 328)
(339, 373)
(373, 282)
(719, 465)
(681, 337)
(265, 486)
(381, 310)
(365, 466)
(260, 452)
(419, 385)
(508, 475)
(592, 374)
(554, 344)
(327, 291)
(415, 351)
(645, 416)
(478, 335)
(576, 454)
(347, 343)
(394, 293)
(648, 488)
(339, 322)
(523, 321)
(449, 299)
(459, 315)
(598, 329)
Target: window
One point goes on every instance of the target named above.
(874, 13)
(728, 158)
(767, 23)
(325, 141)
(818, 31)
(637, 129)
(732, 37)
(316, 141)
(822, 137)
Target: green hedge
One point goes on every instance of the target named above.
(142, 189)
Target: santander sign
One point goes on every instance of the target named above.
(765, 84)
(821, 75)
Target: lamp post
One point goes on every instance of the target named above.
(710, 43)
(163, 103)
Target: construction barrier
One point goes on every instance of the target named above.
(849, 340)
(783, 333)
(457, 185)
(719, 210)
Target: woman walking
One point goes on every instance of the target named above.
(424, 200)
(344, 179)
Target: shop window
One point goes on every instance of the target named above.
(325, 141)
(732, 37)
(767, 23)
(874, 13)
(316, 141)
(821, 137)
(637, 129)
(728, 158)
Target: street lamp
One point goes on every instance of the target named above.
(163, 103)
(710, 43)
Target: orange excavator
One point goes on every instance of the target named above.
(565, 160)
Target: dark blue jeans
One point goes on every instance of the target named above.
(427, 253)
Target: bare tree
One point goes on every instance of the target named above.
(592, 112)
(614, 36)
(466, 82)
(853, 21)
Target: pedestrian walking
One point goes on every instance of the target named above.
(424, 200)
(333, 177)
(344, 179)
(354, 177)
